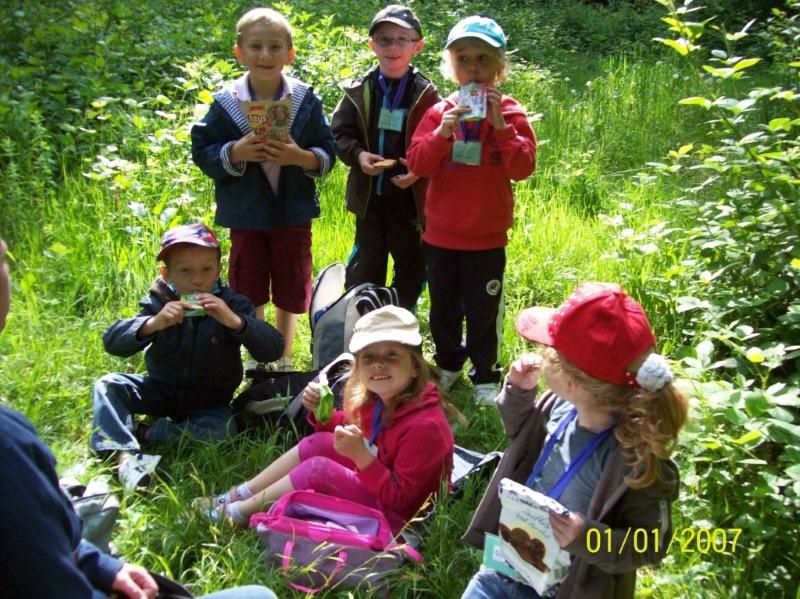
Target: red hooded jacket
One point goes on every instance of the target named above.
(471, 207)
(415, 453)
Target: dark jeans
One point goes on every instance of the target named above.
(467, 286)
(389, 227)
(117, 397)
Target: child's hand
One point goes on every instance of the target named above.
(406, 180)
(311, 396)
(566, 528)
(494, 110)
(283, 152)
(249, 148)
(217, 309)
(134, 582)
(450, 120)
(525, 370)
(170, 315)
(349, 442)
(366, 160)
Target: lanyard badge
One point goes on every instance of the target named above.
(561, 484)
(391, 117)
(468, 151)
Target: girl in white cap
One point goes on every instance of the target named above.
(598, 442)
(389, 448)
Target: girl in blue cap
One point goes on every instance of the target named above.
(470, 158)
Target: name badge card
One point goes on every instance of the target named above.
(371, 447)
(467, 152)
(391, 120)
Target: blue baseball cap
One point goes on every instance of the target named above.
(482, 28)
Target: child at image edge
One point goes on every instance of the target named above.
(607, 386)
(373, 122)
(264, 188)
(193, 361)
(389, 448)
(469, 204)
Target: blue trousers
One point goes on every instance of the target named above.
(117, 397)
(248, 592)
(490, 584)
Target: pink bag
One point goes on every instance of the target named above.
(321, 542)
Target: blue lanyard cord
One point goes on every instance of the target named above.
(471, 131)
(561, 484)
(377, 423)
(398, 94)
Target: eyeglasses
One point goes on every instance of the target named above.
(403, 42)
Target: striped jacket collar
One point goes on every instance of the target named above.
(228, 98)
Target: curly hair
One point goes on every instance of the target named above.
(503, 64)
(648, 422)
(356, 395)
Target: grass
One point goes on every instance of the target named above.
(83, 243)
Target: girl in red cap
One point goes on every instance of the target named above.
(598, 442)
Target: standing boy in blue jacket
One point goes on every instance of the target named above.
(192, 354)
(264, 187)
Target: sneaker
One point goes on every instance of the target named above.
(447, 378)
(136, 470)
(216, 510)
(484, 393)
(281, 365)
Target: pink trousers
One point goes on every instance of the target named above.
(322, 469)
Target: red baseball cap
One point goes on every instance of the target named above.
(196, 234)
(600, 329)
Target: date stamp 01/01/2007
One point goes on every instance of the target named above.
(642, 540)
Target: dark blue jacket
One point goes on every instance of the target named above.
(41, 551)
(245, 199)
(200, 357)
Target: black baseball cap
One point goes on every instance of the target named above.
(399, 15)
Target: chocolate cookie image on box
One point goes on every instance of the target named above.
(530, 550)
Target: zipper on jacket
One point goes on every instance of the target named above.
(360, 116)
(189, 362)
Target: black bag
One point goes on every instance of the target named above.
(278, 397)
(97, 508)
(334, 311)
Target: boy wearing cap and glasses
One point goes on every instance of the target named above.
(471, 158)
(598, 442)
(372, 126)
(191, 353)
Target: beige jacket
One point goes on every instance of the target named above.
(614, 505)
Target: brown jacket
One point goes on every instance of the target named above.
(614, 505)
(352, 133)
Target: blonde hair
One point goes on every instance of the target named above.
(503, 65)
(266, 16)
(648, 422)
(356, 395)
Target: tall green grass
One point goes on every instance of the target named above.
(83, 221)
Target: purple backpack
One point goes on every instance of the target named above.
(324, 542)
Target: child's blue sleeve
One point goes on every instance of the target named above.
(211, 146)
(321, 139)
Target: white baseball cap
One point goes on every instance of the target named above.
(389, 323)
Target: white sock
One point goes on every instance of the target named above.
(243, 491)
(232, 510)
